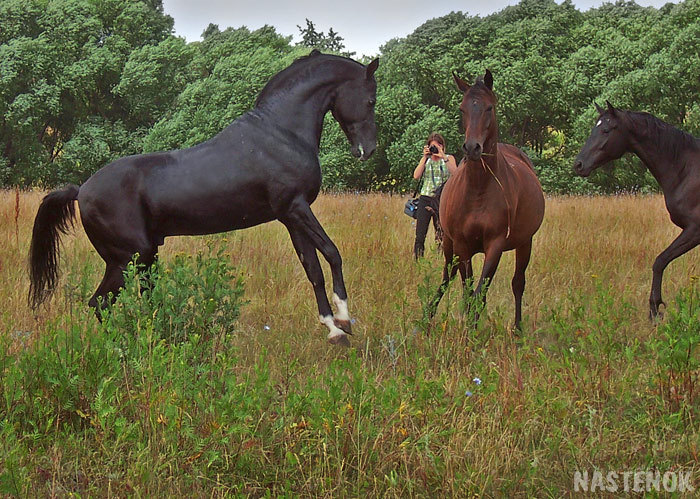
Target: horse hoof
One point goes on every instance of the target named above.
(655, 312)
(340, 340)
(344, 325)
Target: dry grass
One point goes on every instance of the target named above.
(539, 415)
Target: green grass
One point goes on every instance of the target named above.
(183, 390)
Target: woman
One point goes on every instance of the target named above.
(435, 167)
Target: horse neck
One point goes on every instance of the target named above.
(301, 107)
(655, 158)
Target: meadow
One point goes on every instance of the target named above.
(244, 396)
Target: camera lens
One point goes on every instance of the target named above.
(433, 149)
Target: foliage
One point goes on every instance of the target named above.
(332, 42)
(78, 71)
(199, 295)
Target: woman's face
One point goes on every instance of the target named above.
(436, 144)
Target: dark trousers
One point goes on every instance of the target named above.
(423, 217)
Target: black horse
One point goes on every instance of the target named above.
(262, 167)
(673, 158)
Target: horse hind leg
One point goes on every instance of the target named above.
(112, 282)
(522, 258)
(491, 261)
(117, 256)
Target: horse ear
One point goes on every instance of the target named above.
(462, 85)
(488, 80)
(371, 68)
(598, 108)
(610, 107)
(315, 52)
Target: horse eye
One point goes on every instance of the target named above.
(489, 109)
(606, 130)
(372, 102)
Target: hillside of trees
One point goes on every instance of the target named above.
(83, 82)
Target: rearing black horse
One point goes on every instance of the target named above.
(262, 167)
(673, 158)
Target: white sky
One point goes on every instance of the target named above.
(365, 25)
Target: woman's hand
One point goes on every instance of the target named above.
(441, 152)
(426, 151)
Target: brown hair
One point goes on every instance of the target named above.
(437, 138)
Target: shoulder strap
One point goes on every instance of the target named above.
(420, 180)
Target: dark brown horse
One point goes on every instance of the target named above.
(673, 158)
(494, 203)
(262, 167)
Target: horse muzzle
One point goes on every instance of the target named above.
(580, 169)
(362, 152)
(472, 150)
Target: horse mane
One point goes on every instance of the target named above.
(665, 136)
(288, 76)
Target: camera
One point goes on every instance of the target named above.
(433, 150)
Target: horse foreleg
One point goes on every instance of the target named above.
(309, 260)
(686, 240)
(310, 225)
(522, 258)
(448, 273)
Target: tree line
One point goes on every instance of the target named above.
(83, 82)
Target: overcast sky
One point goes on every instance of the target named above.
(365, 25)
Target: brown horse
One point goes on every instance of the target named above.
(673, 158)
(494, 203)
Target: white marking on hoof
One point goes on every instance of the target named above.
(336, 336)
(342, 306)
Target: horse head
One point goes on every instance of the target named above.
(353, 108)
(606, 142)
(478, 116)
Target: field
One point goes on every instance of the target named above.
(263, 405)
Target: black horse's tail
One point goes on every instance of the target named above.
(55, 216)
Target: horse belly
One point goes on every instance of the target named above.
(212, 212)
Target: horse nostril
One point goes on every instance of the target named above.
(578, 165)
(464, 148)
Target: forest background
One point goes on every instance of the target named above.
(83, 82)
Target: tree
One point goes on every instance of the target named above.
(332, 42)
(60, 63)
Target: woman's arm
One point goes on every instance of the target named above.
(421, 164)
(451, 164)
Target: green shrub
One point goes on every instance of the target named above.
(677, 348)
(193, 295)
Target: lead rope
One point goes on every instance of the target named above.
(505, 198)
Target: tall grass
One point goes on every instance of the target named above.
(262, 404)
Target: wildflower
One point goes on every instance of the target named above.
(468, 393)
(477, 381)
(266, 327)
(352, 321)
